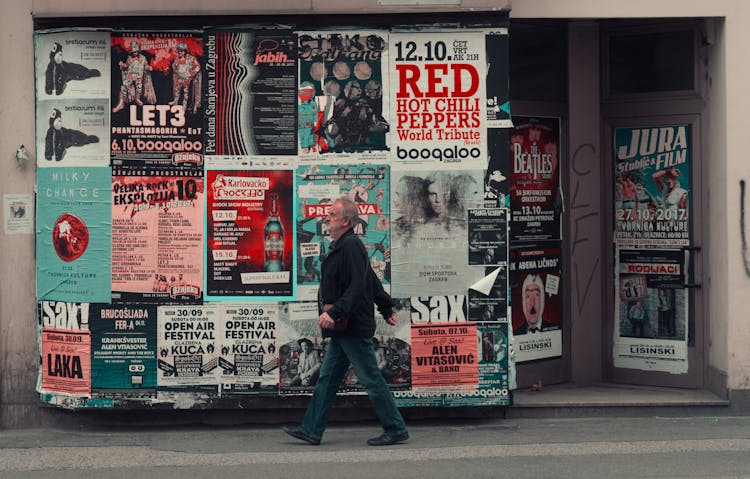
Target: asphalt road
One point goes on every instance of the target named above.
(458, 449)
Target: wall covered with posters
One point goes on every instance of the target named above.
(182, 193)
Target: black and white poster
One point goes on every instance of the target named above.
(251, 105)
(488, 236)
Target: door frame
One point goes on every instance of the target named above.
(697, 319)
(655, 109)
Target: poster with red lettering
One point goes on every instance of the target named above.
(250, 234)
(439, 99)
(66, 361)
(157, 96)
(65, 347)
(444, 356)
(157, 235)
(535, 179)
(318, 186)
(651, 311)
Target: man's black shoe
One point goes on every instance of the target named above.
(388, 440)
(298, 433)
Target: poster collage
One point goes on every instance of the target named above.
(652, 225)
(535, 261)
(184, 185)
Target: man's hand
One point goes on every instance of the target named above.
(325, 321)
(392, 320)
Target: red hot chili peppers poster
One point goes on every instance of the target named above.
(439, 103)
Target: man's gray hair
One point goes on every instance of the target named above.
(349, 209)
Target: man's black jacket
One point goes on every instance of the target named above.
(349, 283)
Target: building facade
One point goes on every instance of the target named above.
(604, 70)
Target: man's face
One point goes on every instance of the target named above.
(305, 347)
(337, 225)
(306, 93)
(57, 123)
(532, 303)
(437, 199)
(372, 90)
(670, 181)
(355, 91)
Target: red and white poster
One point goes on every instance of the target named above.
(250, 234)
(444, 356)
(439, 99)
(65, 347)
(66, 361)
(157, 235)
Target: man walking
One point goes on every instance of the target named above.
(348, 292)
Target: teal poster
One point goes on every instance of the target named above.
(652, 186)
(123, 349)
(318, 186)
(73, 234)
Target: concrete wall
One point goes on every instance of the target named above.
(18, 355)
(731, 283)
(63, 8)
(715, 170)
(584, 192)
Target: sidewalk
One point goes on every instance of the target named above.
(594, 447)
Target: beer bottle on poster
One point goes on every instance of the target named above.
(274, 239)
